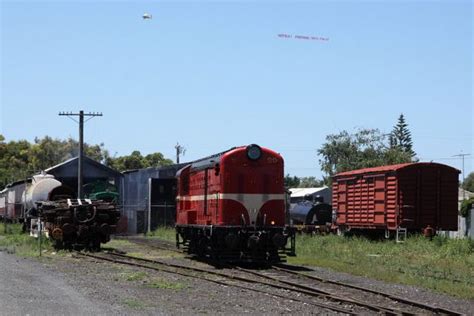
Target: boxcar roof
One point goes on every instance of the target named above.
(388, 168)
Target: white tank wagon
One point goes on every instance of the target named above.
(311, 215)
(43, 187)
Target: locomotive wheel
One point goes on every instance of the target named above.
(58, 244)
(57, 234)
(202, 247)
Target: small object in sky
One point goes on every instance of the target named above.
(304, 37)
(147, 16)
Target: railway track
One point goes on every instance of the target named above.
(290, 269)
(434, 309)
(176, 271)
(328, 299)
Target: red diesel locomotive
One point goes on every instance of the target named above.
(232, 206)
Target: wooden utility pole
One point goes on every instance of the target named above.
(463, 177)
(81, 115)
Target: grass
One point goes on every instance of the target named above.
(444, 265)
(13, 240)
(133, 303)
(163, 284)
(165, 233)
(134, 276)
(118, 243)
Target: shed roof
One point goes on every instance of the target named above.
(301, 192)
(73, 162)
(390, 168)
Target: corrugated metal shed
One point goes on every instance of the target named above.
(135, 196)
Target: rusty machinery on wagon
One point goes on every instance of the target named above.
(69, 222)
(232, 206)
(396, 199)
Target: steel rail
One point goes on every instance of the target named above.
(431, 308)
(308, 290)
(435, 309)
(305, 287)
(329, 307)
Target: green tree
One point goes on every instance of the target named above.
(14, 160)
(468, 183)
(400, 137)
(136, 161)
(21, 159)
(47, 152)
(310, 182)
(363, 149)
(291, 182)
(303, 182)
(157, 160)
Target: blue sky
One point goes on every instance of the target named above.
(213, 75)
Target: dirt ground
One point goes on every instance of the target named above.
(126, 290)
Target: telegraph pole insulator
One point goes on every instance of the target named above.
(179, 150)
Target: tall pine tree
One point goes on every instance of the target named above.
(400, 137)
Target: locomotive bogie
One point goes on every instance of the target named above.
(236, 242)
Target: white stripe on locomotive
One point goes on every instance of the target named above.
(252, 202)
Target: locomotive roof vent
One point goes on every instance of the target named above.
(254, 152)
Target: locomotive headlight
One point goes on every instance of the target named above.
(254, 152)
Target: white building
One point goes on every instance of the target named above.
(298, 194)
(465, 224)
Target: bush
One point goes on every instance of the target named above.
(466, 205)
(443, 264)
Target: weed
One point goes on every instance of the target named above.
(119, 243)
(163, 284)
(134, 276)
(444, 265)
(165, 233)
(15, 241)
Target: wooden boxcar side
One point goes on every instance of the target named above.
(412, 196)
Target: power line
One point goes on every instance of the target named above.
(81, 115)
(461, 155)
